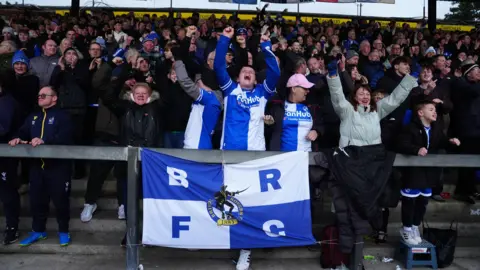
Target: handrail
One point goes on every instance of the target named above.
(213, 156)
(65, 152)
(132, 156)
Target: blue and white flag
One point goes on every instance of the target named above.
(256, 204)
(242, 2)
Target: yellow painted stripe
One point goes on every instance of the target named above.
(292, 18)
(43, 129)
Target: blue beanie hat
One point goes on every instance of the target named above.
(20, 56)
(119, 53)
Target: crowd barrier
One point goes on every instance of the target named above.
(131, 155)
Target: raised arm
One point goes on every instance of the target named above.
(220, 64)
(340, 103)
(185, 82)
(273, 71)
(399, 94)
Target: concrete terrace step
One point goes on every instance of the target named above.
(109, 244)
(451, 205)
(103, 221)
(105, 262)
(107, 201)
(107, 221)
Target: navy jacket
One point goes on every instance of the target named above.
(52, 125)
(9, 117)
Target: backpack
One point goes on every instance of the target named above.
(331, 256)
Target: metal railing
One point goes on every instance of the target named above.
(132, 156)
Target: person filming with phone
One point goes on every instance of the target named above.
(72, 79)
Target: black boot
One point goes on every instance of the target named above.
(10, 236)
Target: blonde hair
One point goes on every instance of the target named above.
(131, 53)
(144, 85)
(12, 47)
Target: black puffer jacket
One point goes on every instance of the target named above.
(360, 177)
(465, 117)
(140, 125)
(72, 84)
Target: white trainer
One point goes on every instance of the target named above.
(121, 212)
(87, 212)
(416, 234)
(243, 262)
(408, 237)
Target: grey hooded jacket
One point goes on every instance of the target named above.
(362, 127)
(42, 66)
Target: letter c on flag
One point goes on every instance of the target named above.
(177, 226)
(177, 177)
(273, 228)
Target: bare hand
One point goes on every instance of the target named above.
(455, 141)
(312, 135)
(149, 79)
(16, 141)
(437, 100)
(36, 142)
(130, 83)
(190, 30)
(268, 119)
(265, 37)
(228, 32)
(93, 64)
(422, 152)
(61, 63)
(431, 85)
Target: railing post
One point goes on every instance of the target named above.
(133, 257)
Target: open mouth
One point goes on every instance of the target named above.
(247, 78)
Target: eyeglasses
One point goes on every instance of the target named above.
(44, 96)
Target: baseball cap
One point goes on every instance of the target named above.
(350, 54)
(299, 80)
(242, 31)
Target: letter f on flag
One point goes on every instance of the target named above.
(177, 177)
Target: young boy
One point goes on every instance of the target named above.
(421, 137)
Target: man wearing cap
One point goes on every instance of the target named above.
(72, 79)
(465, 123)
(352, 57)
(149, 53)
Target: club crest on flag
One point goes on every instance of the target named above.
(225, 199)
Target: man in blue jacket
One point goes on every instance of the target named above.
(9, 117)
(49, 179)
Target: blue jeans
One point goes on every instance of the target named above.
(174, 139)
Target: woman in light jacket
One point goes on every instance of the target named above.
(361, 166)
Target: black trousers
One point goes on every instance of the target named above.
(51, 183)
(413, 210)
(99, 171)
(466, 184)
(80, 166)
(24, 171)
(8, 192)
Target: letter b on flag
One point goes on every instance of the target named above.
(177, 177)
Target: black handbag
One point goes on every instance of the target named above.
(444, 241)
